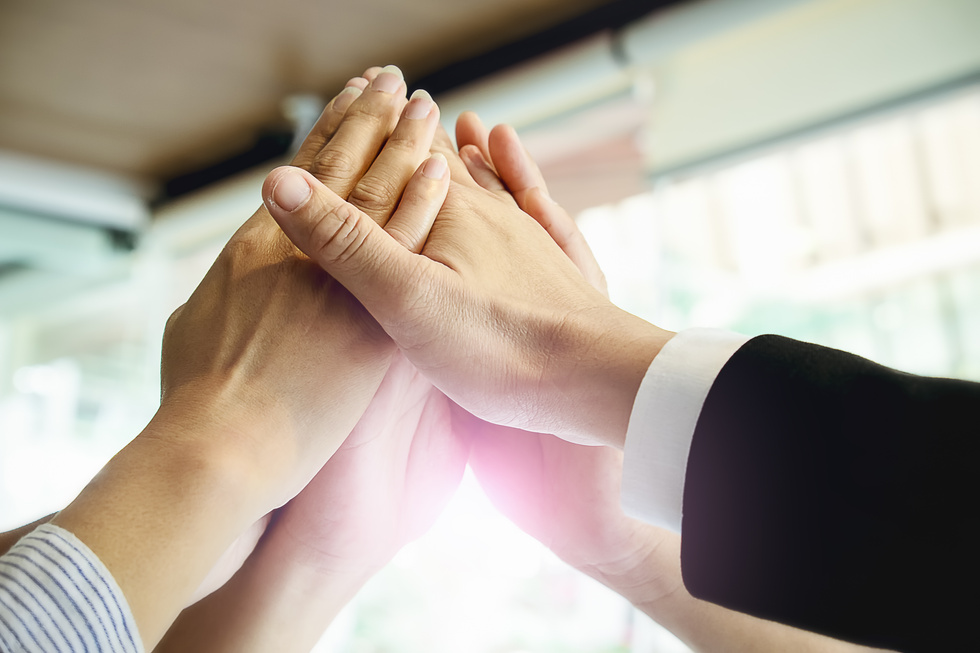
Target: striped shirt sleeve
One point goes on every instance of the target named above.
(56, 595)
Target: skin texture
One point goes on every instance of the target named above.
(271, 362)
(567, 495)
(9, 538)
(573, 489)
(267, 369)
(384, 486)
(564, 494)
(554, 354)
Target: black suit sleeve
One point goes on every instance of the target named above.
(831, 493)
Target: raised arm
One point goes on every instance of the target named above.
(267, 369)
(567, 495)
(383, 487)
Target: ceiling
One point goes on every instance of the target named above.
(153, 90)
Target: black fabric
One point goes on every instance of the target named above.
(831, 493)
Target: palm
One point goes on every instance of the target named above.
(563, 494)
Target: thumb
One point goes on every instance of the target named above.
(342, 239)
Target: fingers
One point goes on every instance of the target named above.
(352, 130)
(423, 197)
(471, 131)
(360, 83)
(515, 173)
(518, 171)
(480, 169)
(513, 163)
(345, 241)
(372, 72)
(328, 122)
(378, 190)
(326, 125)
(563, 230)
(457, 169)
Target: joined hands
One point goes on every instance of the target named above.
(414, 309)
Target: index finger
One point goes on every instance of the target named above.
(331, 117)
(328, 122)
(362, 132)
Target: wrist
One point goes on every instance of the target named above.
(644, 569)
(323, 548)
(273, 587)
(164, 509)
(602, 371)
(305, 571)
(237, 444)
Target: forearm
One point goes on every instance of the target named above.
(162, 511)
(275, 602)
(654, 585)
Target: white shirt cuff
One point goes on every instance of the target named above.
(665, 414)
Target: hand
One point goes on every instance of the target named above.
(394, 473)
(493, 293)
(384, 486)
(267, 369)
(563, 494)
(567, 495)
(272, 330)
(231, 560)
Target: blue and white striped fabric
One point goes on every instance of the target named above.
(56, 595)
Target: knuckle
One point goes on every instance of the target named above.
(307, 153)
(375, 115)
(339, 235)
(336, 166)
(253, 246)
(375, 195)
(406, 237)
(237, 254)
(247, 247)
(404, 140)
(372, 113)
(242, 245)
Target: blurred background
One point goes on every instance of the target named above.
(802, 167)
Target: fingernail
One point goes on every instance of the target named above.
(419, 106)
(394, 70)
(435, 167)
(291, 191)
(346, 98)
(358, 82)
(388, 80)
